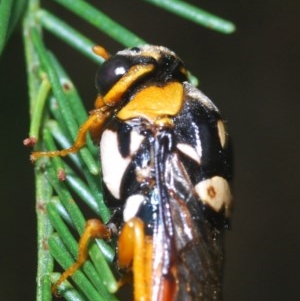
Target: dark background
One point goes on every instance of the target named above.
(252, 76)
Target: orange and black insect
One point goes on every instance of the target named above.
(166, 163)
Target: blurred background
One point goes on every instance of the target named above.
(251, 75)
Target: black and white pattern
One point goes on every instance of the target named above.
(175, 178)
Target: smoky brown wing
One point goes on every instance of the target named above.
(198, 243)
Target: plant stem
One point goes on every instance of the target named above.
(195, 14)
(102, 22)
(68, 34)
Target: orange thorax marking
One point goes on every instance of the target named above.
(154, 102)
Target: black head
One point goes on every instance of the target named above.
(131, 63)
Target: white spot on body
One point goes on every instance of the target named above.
(113, 164)
(132, 206)
(216, 193)
(190, 151)
(221, 132)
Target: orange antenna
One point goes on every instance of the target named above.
(99, 50)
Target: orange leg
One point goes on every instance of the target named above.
(135, 250)
(93, 124)
(93, 229)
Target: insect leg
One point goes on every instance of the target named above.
(93, 124)
(93, 229)
(135, 248)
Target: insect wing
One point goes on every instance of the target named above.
(198, 246)
(190, 230)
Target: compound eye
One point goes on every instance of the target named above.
(110, 72)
